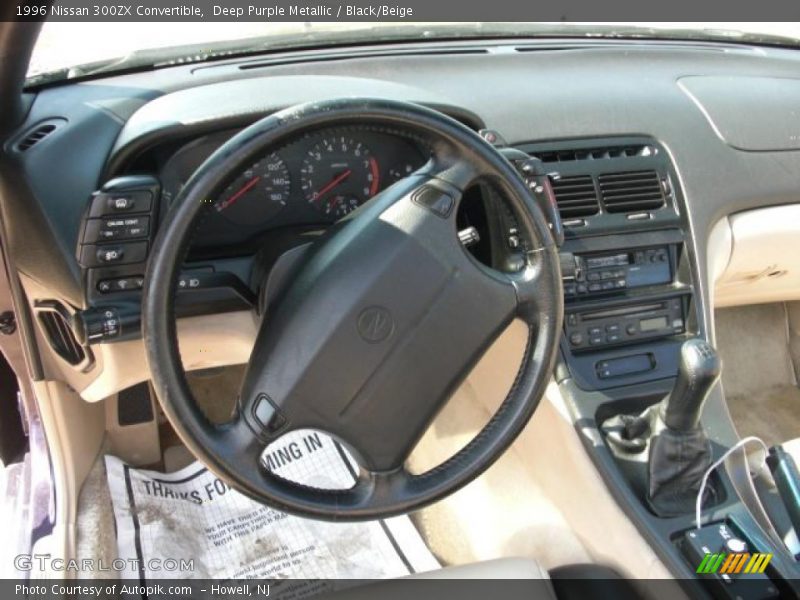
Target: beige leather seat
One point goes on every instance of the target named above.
(531, 583)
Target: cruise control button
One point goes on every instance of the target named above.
(104, 230)
(132, 232)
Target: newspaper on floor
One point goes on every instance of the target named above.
(192, 515)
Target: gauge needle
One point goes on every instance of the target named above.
(333, 183)
(242, 191)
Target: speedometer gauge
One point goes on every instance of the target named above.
(338, 175)
(258, 194)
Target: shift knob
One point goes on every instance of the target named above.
(698, 371)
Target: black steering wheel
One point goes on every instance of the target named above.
(383, 320)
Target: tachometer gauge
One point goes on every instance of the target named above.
(258, 194)
(338, 175)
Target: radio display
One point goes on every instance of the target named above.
(613, 260)
(653, 324)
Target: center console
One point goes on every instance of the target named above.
(628, 295)
(630, 356)
(626, 309)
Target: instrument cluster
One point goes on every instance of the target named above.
(316, 180)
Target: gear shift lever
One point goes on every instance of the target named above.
(698, 371)
(680, 452)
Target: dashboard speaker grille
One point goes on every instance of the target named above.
(62, 339)
(631, 191)
(576, 196)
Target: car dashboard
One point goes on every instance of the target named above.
(637, 146)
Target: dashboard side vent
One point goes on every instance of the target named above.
(37, 134)
(61, 337)
(576, 196)
(631, 191)
(600, 153)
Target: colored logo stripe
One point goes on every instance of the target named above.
(711, 562)
(758, 564)
(734, 563)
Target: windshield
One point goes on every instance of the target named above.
(69, 50)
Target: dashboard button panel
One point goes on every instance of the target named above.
(120, 284)
(116, 228)
(116, 232)
(624, 324)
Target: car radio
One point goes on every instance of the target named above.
(615, 271)
(599, 328)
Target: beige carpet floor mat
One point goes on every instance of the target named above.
(758, 375)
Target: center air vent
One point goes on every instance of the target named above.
(576, 196)
(631, 192)
(598, 153)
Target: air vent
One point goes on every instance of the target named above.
(61, 337)
(576, 196)
(37, 134)
(600, 153)
(631, 192)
